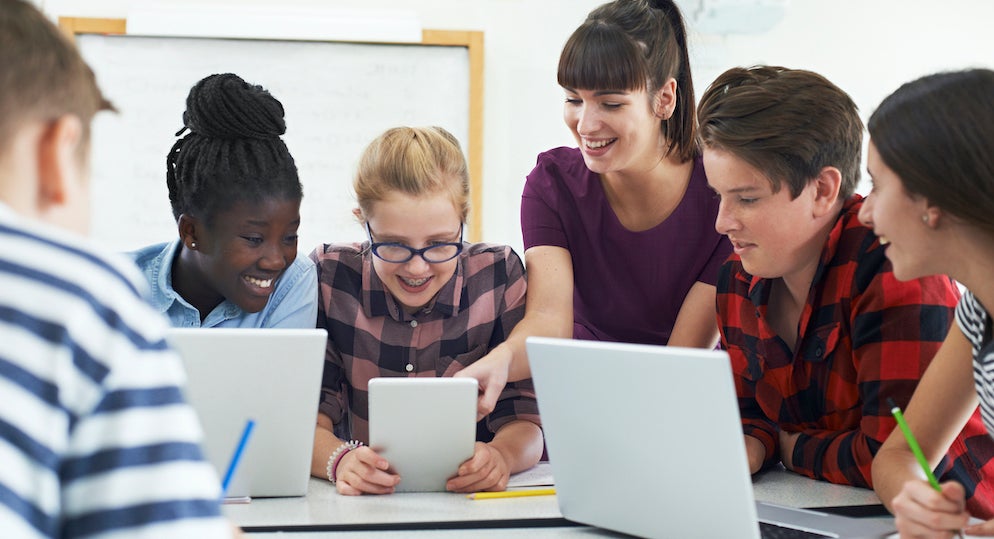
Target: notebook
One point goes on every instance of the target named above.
(424, 427)
(647, 440)
(272, 376)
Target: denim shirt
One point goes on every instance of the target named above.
(293, 303)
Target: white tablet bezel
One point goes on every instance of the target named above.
(424, 427)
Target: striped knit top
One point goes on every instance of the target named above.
(95, 438)
(974, 321)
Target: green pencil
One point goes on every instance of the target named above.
(913, 444)
(916, 449)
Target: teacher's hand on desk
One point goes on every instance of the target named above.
(362, 471)
(486, 470)
(921, 511)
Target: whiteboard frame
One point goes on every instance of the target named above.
(472, 40)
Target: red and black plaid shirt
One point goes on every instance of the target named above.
(863, 336)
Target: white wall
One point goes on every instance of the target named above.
(868, 47)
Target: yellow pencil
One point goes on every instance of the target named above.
(511, 494)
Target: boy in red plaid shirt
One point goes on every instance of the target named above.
(819, 331)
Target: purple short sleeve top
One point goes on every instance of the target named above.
(628, 286)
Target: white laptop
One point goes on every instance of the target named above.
(272, 376)
(424, 427)
(647, 440)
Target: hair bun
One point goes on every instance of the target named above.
(225, 106)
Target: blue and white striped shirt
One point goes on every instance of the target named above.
(95, 437)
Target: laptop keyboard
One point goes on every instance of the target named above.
(772, 531)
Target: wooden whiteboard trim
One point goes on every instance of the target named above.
(325, 23)
(472, 40)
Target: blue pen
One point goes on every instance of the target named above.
(249, 425)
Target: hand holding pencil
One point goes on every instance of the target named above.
(952, 492)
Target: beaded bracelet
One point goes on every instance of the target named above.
(336, 457)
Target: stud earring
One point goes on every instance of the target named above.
(193, 245)
(925, 218)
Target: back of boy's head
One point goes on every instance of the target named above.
(937, 134)
(635, 45)
(415, 161)
(42, 76)
(233, 151)
(787, 123)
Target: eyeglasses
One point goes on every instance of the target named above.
(398, 253)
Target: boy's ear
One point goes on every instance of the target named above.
(60, 161)
(188, 227)
(827, 184)
(664, 102)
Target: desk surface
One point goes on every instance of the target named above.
(324, 506)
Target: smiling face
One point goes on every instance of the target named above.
(416, 222)
(616, 130)
(772, 234)
(240, 255)
(897, 218)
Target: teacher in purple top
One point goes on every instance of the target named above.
(619, 233)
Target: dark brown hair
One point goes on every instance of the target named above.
(937, 134)
(787, 123)
(42, 76)
(636, 45)
(233, 151)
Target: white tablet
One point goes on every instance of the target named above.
(425, 428)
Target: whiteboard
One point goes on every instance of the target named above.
(337, 97)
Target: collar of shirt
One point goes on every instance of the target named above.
(818, 332)
(377, 301)
(164, 296)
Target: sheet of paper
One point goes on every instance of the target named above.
(536, 476)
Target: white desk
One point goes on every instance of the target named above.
(323, 506)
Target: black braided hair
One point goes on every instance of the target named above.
(233, 151)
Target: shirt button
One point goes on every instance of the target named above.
(414, 323)
(409, 367)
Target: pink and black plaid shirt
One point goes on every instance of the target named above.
(370, 335)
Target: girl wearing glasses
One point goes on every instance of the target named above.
(416, 301)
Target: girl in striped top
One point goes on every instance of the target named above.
(932, 204)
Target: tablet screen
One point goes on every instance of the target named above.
(424, 427)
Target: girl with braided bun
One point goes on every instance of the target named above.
(235, 195)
